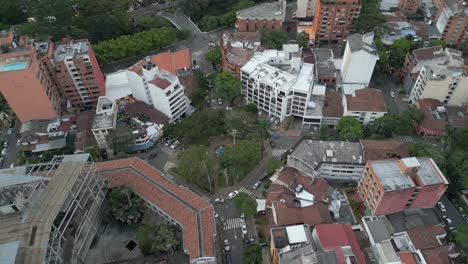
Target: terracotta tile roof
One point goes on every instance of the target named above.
(333, 105)
(439, 255)
(173, 61)
(7, 39)
(428, 103)
(367, 99)
(137, 68)
(432, 123)
(384, 149)
(192, 212)
(406, 257)
(335, 236)
(161, 83)
(428, 53)
(310, 215)
(136, 108)
(426, 236)
(287, 175)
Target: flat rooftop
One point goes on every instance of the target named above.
(315, 152)
(324, 63)
(71, 49)
(103, 121)
(392, 178)
(17, 60)
(274, 10)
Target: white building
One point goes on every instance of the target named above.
(104, 121)
(359, 60)
(440, 75)
(281, 84)
(365, 105)
(145, 82)
(305, 8)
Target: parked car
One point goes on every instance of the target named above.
(465, 217)
(10, 131)
(5, 144)
(175, 144)
(255, 185)
(264, 176)
(233, 194)
(244, 229)
(441, 207)
(219, 200)
(453, 229)
(152, 155)
(4, 151)
(447, 220)
(216, 215)
(211, 44)
(226, 245)
(18, 143)
(220, 101)
(228, 108)
(392, 94)
(12, 165)
(272, 144)
(168, 142)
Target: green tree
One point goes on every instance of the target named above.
(349, 128)
(370, 19)
(196, 165)
(427, 150)
(397, 53)
(156, 239)
(251, 108)
(198, 98)
(274, 39)
(324, 132)
(120, 139)
(11, 12)
(461, 236)
(241, 158)
(210, 22)
(240, 123)
(124, 206)
(214, 56)
(227, 86)
(272, 165)
(197, 127)
(302, 39)
(252, 254)
(400, 124)
(437, 42)
(143, 23)
(459, 138)
(245, 205)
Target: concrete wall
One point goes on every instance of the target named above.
(357, 66)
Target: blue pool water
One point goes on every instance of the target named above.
(13, 66)
(219, 151)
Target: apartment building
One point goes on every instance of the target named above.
(359, 59)
(105, 120)
(77, 73)
(28, 84)
(270, 15)
(409, 6)
(365, 105)
(50, 211)
(438, 74)
(237, 48)
(392, 185)
(334, 19)
(147, 83)
(306, 9)
(451, 21)
(281, 84)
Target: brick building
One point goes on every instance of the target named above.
(27, 82)
(237, 48)
(335, 18)
(409, 6)
(77, 73)
(451, 20)
(392, 185)
(434, 122)
(267, 15)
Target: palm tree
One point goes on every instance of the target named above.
(264, 127)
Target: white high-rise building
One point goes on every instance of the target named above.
(281, 84)
(359, 61)
(147, 83)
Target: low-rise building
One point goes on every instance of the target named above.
(281, 84)
(105, 120)
(328, 159)
(175, 204)
(391, 185)
(147, 83)
(177, 62)
(384, 149)
(270, 15)
(365, 105)
(332, 109)
(340, 239)
(325, 70)
(44, 216)
(237, 48)
(434, 122)
(409, 6)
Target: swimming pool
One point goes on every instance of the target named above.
(13, 66)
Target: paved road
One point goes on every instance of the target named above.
(12, 152)
(387, 85)
(452, 212)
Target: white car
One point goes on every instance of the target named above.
(211, 44)
(233, 194)
(226, 245)
(256, 184)
(220, 101)
(10, 131)
(228, 108)
(12, 165)
(216, 215)
(392, 94)
(244, 229)
(175, 144)
(447, 220)
(168, 142)
(18, 142)
(4, 151)
(441, 207)
(5, 144)
(219, 200)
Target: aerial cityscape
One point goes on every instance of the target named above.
(234, 131)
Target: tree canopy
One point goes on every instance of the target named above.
(156, 239)
(120, 139)
(274, 39)
(272, 165)
(370, 18)
(245, 205)
(124, 206)
(437, 42)
(302, 39)
(398, 124)
(427, 150)
(214, 56)
(241, 158)
(227, 86)
(461, 236)
(11, 12)
(349, 128)
(252, 254)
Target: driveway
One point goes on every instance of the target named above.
(451, 213)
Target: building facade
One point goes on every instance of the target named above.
(237, 48)
(267, 15)
(28, 84)
(77, 73)
(451, 21)
(335, 18)
(409, 6)
(147, 83)
(305, 9)
(392, 185)
(359, 59)
(105, 120)
(365, 105)
(281, 84)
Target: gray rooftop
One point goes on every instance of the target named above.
(70, 49)
(380, 229)
(413, 217)
(275, 10)
(314, 152)
(392, 178)
(324, 63)
(365, 42)
(103, 122)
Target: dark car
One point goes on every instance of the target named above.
(228, 258)
(264, 176)
(152, 155)
(272, 144)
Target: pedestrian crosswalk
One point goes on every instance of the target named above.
(278, 152)
(245, 190)
(233, 223)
